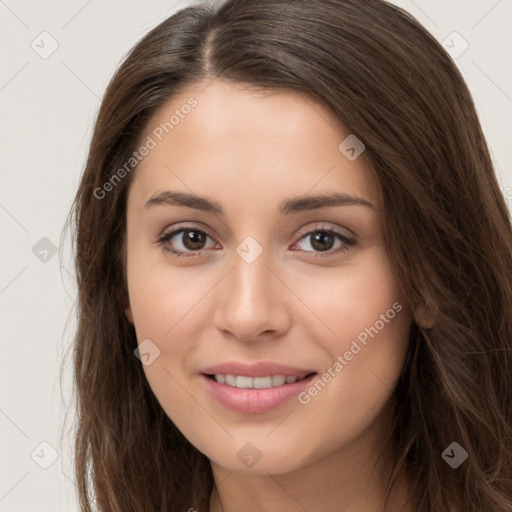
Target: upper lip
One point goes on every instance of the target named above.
(259, 369)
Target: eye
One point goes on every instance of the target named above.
(186, 242)
(326, 241)
(189, 242)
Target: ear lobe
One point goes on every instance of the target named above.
(424, 316)
(128, 313)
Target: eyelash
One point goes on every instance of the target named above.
(191, 254)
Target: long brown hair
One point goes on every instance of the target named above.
(447, 230)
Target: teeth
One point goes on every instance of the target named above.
(262, 382)
(278, 380)
(243, 382)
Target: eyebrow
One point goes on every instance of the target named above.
(297, 204)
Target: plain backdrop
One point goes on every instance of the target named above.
(47, 107)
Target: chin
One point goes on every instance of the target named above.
(260, 457)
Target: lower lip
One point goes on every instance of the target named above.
(254, 401)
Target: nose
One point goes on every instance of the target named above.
(252, 301)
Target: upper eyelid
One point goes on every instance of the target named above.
(175, 230)
(320, 225)
(328, 226)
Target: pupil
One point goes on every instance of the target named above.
(321, 238)
(193, 239)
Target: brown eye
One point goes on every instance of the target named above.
(193, 239)
(186, 242)
(324, 241)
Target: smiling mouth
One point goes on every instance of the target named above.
(245, 382)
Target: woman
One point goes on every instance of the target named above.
(293, 263)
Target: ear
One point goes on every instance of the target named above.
(424, 316)
(124, 294)
(128, 313)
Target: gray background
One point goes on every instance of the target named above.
(47, 107)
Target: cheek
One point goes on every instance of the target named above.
(374, 321)
(370, 326)
(166, 304)
(163, 297)
(352, 299)
(170, 307)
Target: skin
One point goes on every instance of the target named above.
(249, 150)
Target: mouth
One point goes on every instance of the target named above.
(256, 388)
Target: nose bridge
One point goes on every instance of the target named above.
(251, 303)
(251, 276)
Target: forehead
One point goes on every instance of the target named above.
(237, 142)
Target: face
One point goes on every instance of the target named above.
(273, 330)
